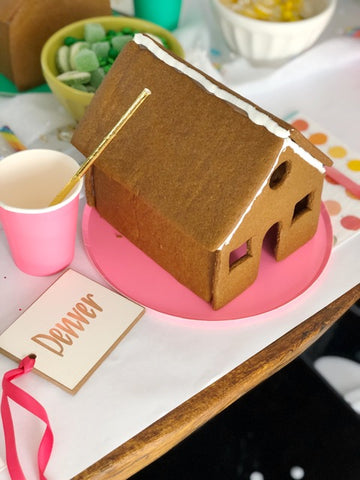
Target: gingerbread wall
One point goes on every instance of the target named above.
(292, 205)
(25, 25)
(157, 235)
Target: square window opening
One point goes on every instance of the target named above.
(240, 254)
(302, 206)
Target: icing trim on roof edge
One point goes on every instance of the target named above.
(257, 117)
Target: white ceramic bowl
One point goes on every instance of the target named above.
(266, 42)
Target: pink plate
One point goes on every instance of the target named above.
(139, 278)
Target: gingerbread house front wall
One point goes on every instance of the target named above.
(290, 204)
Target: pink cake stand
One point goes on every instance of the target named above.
(138, 277)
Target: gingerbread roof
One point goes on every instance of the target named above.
(195, 151)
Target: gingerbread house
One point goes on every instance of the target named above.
(199, 174)
(25, 25)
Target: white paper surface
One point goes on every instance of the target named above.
(163, 361)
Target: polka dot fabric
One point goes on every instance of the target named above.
(343, 207)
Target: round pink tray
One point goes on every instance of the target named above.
(139, 278)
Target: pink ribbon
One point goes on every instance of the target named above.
(26, 401)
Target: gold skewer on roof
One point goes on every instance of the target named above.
(100, 148)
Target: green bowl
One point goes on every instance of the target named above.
(76, 101)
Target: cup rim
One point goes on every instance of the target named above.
(32, 211)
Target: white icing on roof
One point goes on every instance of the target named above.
(305, 155)
(256, 116)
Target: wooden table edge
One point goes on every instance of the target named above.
(168, 431)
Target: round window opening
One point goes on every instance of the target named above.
(279, 174)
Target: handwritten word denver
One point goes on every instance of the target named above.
(62, 332)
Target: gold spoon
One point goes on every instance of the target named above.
(99, 149)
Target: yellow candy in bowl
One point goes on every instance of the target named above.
(73, 99)
(272, 31)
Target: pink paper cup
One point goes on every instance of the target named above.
(41, 238)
